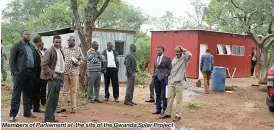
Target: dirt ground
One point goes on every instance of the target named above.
(242, 109)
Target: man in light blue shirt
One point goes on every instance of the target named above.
(206, 67)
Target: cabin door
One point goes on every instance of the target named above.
(203, 48)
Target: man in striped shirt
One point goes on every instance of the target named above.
(96, 64)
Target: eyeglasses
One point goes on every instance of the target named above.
(57, 42)
(71, 40)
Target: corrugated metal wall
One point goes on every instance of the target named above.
(102, 38)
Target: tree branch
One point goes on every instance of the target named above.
(271, 60)
(77, 20)
(270, 43)
(270, 26)
(256, 39)
(102, 9)
(267, 37)
(75, 13)
(237, 6)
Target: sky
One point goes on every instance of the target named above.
(152, 7)
(159, 7)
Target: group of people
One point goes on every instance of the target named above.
(33, 68)
(58, 68)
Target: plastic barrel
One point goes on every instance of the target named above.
(218, 79)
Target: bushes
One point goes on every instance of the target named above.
(142, 77)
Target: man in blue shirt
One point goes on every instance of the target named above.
(23, 65)
(206, 67)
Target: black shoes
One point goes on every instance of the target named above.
(116, 100)
(150, 101)
(38, 111)
(12, 119)
(164, 116)
(129, 104)
(177, 118)
(97, 101)
(30, 116)
(157, 112)
(133, 103)
(61, 111)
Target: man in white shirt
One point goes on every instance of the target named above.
(53, 68)
(112, 72)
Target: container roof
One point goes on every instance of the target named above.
(199, 30)
(71, 30)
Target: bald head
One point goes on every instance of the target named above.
(71, 41)
(109, 46)
(132, 48)
(179, 51)
(95, 45)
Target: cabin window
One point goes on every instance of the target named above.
(223, 49)
(119, 47)
(238, 50)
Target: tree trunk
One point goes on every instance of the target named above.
(264, 64)
(83, 82)
(91, 14)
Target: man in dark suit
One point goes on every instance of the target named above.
(43, 83)
(162, 68)
(35, 100)
(23, 65)
(130, 63)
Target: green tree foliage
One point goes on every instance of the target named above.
(44, 15)
(142, 49)
(246, 17)
(119, 15)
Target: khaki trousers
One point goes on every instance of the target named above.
(175, 90)
(70, 83)
(206, 76)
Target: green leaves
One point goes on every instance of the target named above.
(119, 15)
(142, 48)
(239, 16)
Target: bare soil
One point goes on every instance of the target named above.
(242, 109)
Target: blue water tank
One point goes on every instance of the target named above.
(218, 79)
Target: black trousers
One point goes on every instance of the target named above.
(23, 82)
(35, 98)
(151, 89)
(43, 94)
(54, 86)
(160, 89)
(111, 74)
(252, 70)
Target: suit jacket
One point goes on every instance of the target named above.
(163, 70)
(39, 59)
(115, 57)
(18, 57)
(130, 63)
(48, 63)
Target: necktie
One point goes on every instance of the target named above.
(158, 61)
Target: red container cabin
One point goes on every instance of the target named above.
(232, 51)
